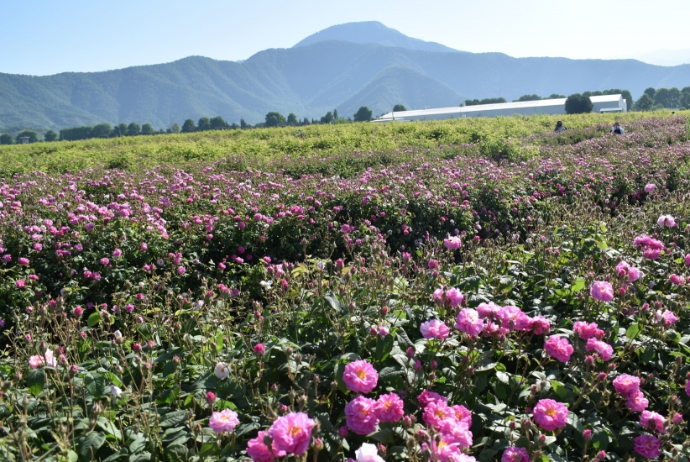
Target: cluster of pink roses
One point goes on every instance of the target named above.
(451, 297)
(452, 424)
(628, 386)
(289, 434)
(623, 269)
(498, 320)
(601, 290)
(651, 248)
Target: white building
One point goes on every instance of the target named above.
(605, 103)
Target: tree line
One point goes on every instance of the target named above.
(663, 98)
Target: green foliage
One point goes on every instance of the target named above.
(650, 92)
(101, 131)
(668, 98)
(399, 108)
(50, 135)
(6, 139)
(275, 119)
(175, 128)
(25, 136)
(217, 123)
(133, 129)
(529, 98)
(147, 129)
(578, 104)
(476, 102)
(204, 124)
(363, 114)
(645, 103)
(328, 118)
(188, 126)
(292, 119)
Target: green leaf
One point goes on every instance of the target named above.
(72, 456)
(96, 385)
(109, 427)
(633, 331)
(578, 285)
(173, 418)
(94, 319)
(90, 444)
(36, 381)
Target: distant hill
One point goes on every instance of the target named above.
(373, 32)
(309, 80)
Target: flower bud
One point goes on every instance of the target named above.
(587, 434)
(342, 431)
(410, 352)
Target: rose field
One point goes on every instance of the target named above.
(485, 294)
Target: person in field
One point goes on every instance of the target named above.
(560, 127)
(617, 129)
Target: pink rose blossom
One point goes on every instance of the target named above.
(452, 243)
(648, 446)
(454, 297)
(389, 408)
(623, 269)
(181, 270)
(457, 433)
(687, 260)
(104, 261)
(360, 376)
(603, 349)
(587, 330)
(436, 412)
(259, 452)
(23, 261)
(292, 433)
(653, 421)
(515, 454)
(540, 325)
(361, 416)
(259, 349)
(469, 322)
(427, 397)
(462, 414)
(368, 453)
(550, 414)
(626, 385)
(224, 421)
(649, 188)
(487, 310)
(117, 253)
(439, 297)
(636, 402)
(434, 329)
(601, 290)
(666, 220)
(559, 348)
(510, 316)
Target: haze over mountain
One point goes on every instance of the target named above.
(309, 79)
(372, 32)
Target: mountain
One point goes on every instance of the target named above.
(373, 32)
(308, 80)
(665, 57)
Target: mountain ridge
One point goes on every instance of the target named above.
(308, 80)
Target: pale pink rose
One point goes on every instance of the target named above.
(653, 421)
(360, 414)
(649, 188)
(550, 414)
(36, 361)
(457, 433)
(626, 385)
(389, 408)
(511, 317)
(292, 433)
(601, 290)
(603, 349)
(452, 243)
(454, 297)
(368, 453)
(487, 310)
(636, 402)
(469, 322)
(666, 220)
(434, 329)
(540, 325)
(224, 421)
(559, 348)
(587, 330)
(259, 452)
(360, 376)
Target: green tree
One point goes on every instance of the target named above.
(328, 118)
(529, 98)
(174, 128)
(335, 114)
(6, 139)
(120, 130)
(645, 103)
(555, 96)
(578, 104)
(363, 114)
(399, 108)
(685, 90)
(50, 136)
(306, 121)
(147, 129)
(667, 97)
(292, 119)
(275, 119)
(203, 124)
(101, 131)
(244, 125)
(188, 126)
(650, 92)
(218, 123)
(31, 136)
(133, 129)
(684, 101)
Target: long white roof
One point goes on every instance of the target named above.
(492, 107)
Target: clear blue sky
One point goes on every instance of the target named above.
(42, 37)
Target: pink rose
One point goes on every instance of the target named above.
(259, 452)
(601, 290)
(224, 421)
(653, 421)
(389, 408)
(469, 322)
(636, 402)
(360, 415)
(360, 376)
(436, 412)
(454, 297)
(434, 329)
(292, 433)
(648, 446)
(426, 397)
(452, 243)
(515, 454)
(603, 349)
(587, 330)
(559, 348)
(626, 385)
(550, 414)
